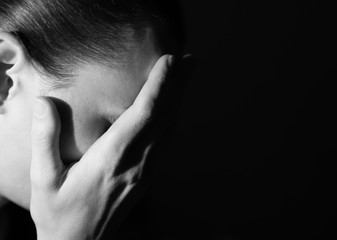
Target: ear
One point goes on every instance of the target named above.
(12, 60)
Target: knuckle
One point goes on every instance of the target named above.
(40, 134)
(145, 114)
(130, 176)
(44, 132)
(105, 166)
(43, 143)
(42, 180)
(39, 181)
(133, 175)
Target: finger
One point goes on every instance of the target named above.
(163, 128)
(137, 117)
(143, 109)
(46, 163)
(167, 102)
(178, 85)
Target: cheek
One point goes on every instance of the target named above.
(15, 156)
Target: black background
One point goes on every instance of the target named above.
(252, 157)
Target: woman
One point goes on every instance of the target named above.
(87, 61)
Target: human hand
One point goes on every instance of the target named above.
(76, 202)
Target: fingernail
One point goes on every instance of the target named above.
(170, 60)
(39, 108)
(188, 55)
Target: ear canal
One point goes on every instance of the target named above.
(3, 76)
(6, 82)
(5, 86)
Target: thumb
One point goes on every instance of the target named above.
(46, 165)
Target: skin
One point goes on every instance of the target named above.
(97, 97)
(78, 201)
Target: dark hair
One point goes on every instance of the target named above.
(60, 34)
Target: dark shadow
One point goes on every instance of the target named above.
(68, 147)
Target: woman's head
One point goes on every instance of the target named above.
(91, 57)
(60, 35)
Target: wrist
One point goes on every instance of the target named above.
(55, 236)
(63, 233)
